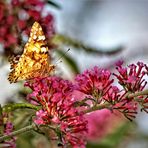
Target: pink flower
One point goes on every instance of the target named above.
(1, 11)
(10, 19)
(3, 31)
(15, 2)
(11, 39)
(47, 23)
(24, 13)
(94, 82)
(55, 96)
(131, 78)
(119, 63)
(8, 128)
(98, 88)
(35, 14)
(101, 123)
(39, 3)
(22, 24)
(112, 95)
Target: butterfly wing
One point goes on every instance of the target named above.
(13, 61)
(34, 61)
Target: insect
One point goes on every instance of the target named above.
(35, 60)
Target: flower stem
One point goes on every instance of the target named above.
(12, 107)
(25, 129)
(106, 105)
(97, 107)
(141, 93)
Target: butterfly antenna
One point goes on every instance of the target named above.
(59, 59)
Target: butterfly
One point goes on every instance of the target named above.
(35, 60)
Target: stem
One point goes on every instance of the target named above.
(106, 105)
(98, 107)
(145, 92)
(25, 129)
(12, 107)
(62, 39)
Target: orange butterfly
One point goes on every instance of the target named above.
(35, 60)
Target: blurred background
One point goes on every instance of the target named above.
(98, 32)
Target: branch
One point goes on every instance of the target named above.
(25, 129)
(141, 93)
(106, 105)
(12, 107)
(97, 107)
(60, 39)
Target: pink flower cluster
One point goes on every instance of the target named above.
(17, 17)
(64, 104)
(97, 83)
(58, 109)
(131, 78)
(7, 130)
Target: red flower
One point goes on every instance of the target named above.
(15, 2)
(94, 81)
(10, 20)
(34, 3)
(2, 8)
(55, 96)
(34, 14)
(24, 13)
(3, 31)
(11, 39)
(112, 95)
(47, 23)
(22, 24)
(131, 78)
(8, 129)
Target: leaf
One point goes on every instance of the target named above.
(50, 2)
(71, 63)
(25, 140)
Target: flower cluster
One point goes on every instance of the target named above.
(16, 19)
(55, 96)
(64, 105)
(6, 129)
(131, 78)
(94, 82)
(97, 83)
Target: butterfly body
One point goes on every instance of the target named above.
(35, 60)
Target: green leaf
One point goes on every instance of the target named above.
(54, 4)
(26, 140)
(69, 60)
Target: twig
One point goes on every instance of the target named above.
(97, 107)
(12, 107)
(62, 39)
(141, 93)
(25, 129)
